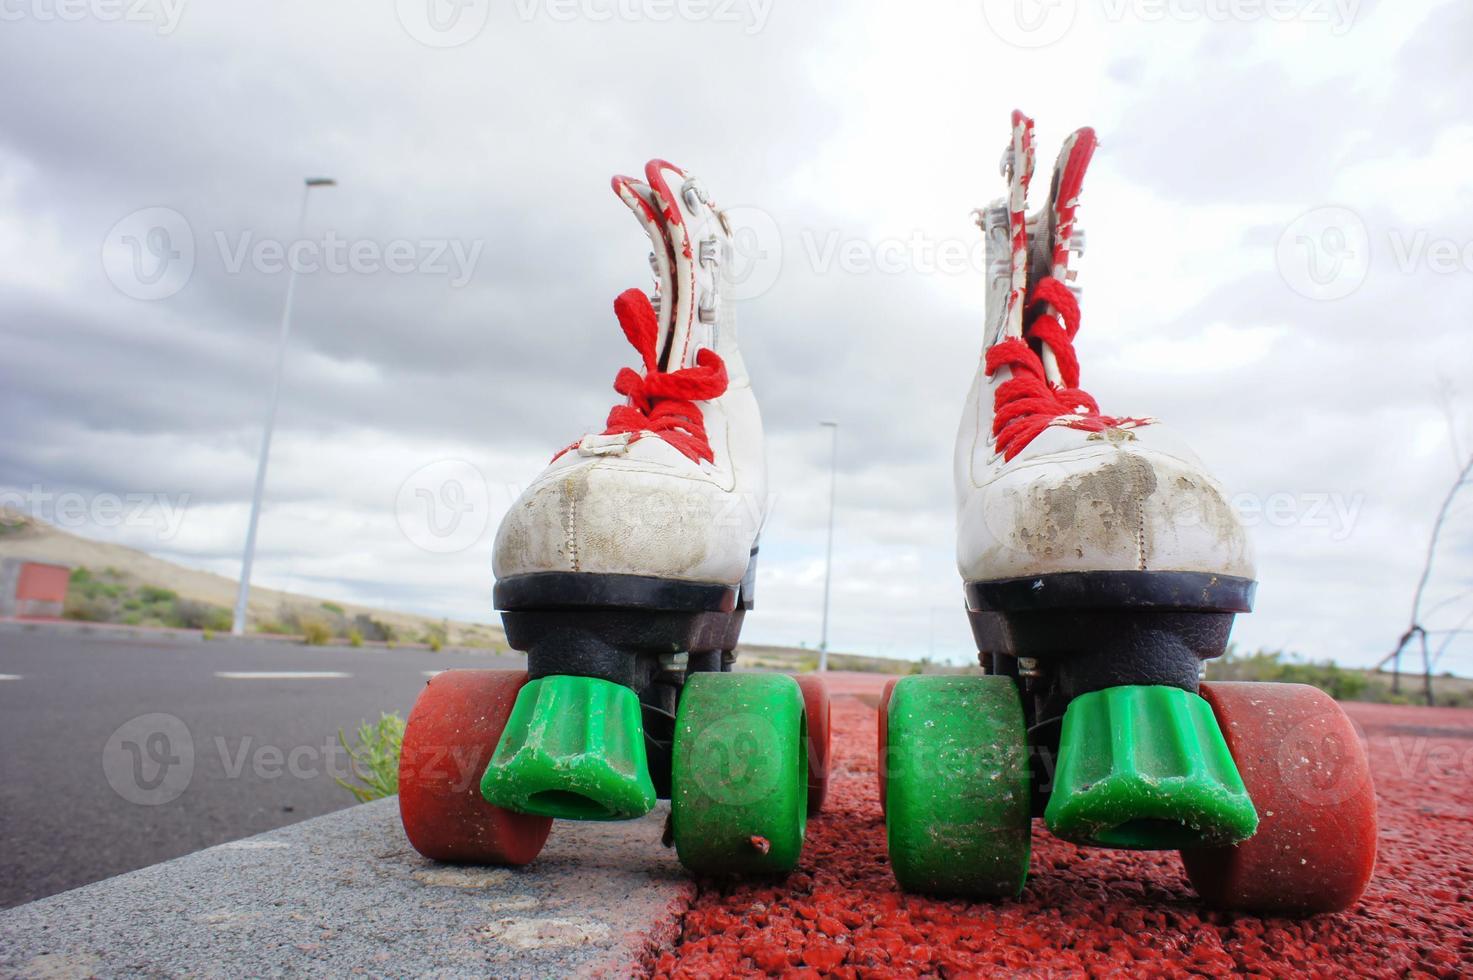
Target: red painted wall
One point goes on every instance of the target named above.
(42, 583)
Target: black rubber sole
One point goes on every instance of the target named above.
(579, 590)
(1066, 634)
(1174, 591)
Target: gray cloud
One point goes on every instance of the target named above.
(505, 145)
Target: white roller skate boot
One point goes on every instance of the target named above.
(1102, 563)
(661, 509)
(1102, 567)
(624, 572)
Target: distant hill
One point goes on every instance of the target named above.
(129, 576)
(121, 583)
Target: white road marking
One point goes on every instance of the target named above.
(281, 675)
(432, 673)
(9, 677)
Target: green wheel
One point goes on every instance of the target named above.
(739, 778)
(957, 815)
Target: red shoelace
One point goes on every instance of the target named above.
(662, 402)
(1027, 403)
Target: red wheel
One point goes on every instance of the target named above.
(448, 742)
(881, 762)
(1308, 775)
(816, 706)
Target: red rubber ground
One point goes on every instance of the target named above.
(448, 742)
(1100, 912)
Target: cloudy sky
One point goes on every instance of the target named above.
(1280, 263)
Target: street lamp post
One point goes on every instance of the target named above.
(244, 593)
(828, 567)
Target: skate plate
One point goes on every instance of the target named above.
(1146, 767)
(574, 749)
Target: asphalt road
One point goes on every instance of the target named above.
(120, 753)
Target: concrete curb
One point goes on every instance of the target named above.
(345, 893)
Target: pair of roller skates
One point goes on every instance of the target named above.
(624, 572)
(1102, 565)
(1102, 568)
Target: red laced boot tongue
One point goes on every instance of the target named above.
(1043, 387)
(662, 403)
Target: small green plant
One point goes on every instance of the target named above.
(355, 638)
(374, 760)
(333, 608)
(437, 642)
(315, 632)
(207, 635)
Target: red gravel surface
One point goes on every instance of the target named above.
(1101, 912)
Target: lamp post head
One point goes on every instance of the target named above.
(831, 424)
(321, 182)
